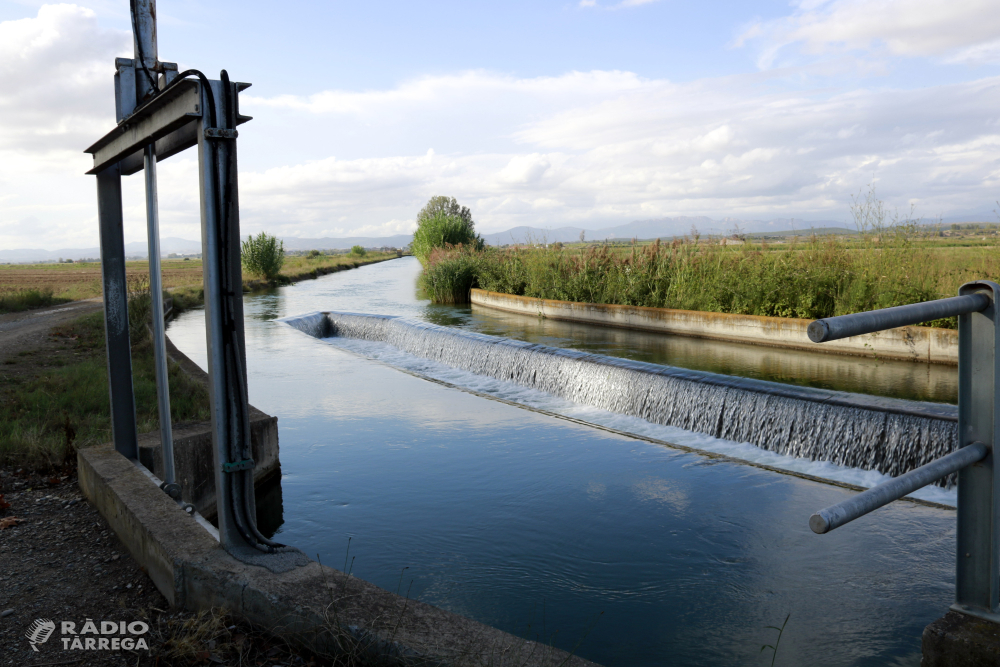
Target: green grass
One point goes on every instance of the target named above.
(814, 278)
(15, 300)
(45, 415)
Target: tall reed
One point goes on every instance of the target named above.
(811, 278)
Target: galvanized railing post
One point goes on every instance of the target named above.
(159, 326)
(977, 584)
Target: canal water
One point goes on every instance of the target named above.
(626, 551)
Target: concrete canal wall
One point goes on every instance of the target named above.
(939, 346)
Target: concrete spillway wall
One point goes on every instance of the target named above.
(939, 346)
(891, 436)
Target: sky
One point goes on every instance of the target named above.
(586, 113)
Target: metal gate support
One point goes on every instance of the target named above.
(182, 114)
(977, 573)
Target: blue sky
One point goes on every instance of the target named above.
(584, 113)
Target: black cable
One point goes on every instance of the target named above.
(176, 80)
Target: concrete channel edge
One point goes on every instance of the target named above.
(925, 344)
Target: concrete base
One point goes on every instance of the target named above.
(314, 606)
(193, 458)
(958, 640)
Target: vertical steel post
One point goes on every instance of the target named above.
(144, 42)
(109, 213)
(159, 334)
(225, 421)
(977, 584)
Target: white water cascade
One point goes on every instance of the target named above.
(889, 435)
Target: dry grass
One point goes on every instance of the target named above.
(216, 637)
(82, 280)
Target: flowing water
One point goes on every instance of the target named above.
(633, 552)
(892, 437)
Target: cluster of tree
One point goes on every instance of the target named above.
(443, 222)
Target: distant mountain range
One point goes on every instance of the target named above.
(640, 229)
(655, 228)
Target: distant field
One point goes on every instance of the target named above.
(82, 280)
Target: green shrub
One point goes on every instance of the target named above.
(13, 300)
(450, 274)
(313, 254)
(358, 251)
(442, 223)
(140, 307)
(263, 256)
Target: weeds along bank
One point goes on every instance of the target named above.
(814, 278)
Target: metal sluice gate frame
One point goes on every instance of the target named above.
(161, 112)
(977, 575)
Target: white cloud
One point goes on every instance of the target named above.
(584, 148)
(56, 98)
(640, 149)
(965, 31)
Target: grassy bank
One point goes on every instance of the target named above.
(55, 397)
(13, 300)
(810, 278)
(306, 266)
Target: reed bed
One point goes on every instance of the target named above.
(805, 278)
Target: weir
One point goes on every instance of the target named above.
(891, 436)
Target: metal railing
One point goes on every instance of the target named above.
(977, 576)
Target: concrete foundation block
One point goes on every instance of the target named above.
(194, 461)
(959, 640)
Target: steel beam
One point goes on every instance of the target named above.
(109, 213)
(170, 111)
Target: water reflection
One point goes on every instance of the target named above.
(500, 513)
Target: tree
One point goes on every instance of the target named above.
(443, 222)
(263, 255)
(358, 250)
(583, 235)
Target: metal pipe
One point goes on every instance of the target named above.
(827, 519)
(159, 335)
(144, 45)
(844, 326)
